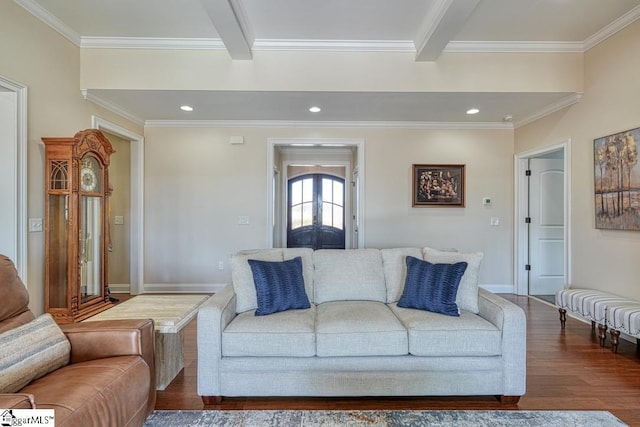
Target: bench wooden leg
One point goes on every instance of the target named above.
(563, 317)
(615, 336)
(602, 334)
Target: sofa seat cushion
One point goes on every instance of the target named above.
(359, 328)
(105, 391)
(434, 334)
(288, 333)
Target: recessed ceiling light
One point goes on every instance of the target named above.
(315, 109)
(186, 108)
(473, 111)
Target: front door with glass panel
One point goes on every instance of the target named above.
(316, 212)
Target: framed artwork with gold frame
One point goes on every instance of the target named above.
(438, 185)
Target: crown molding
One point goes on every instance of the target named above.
(617, 25)
(51, 20)
(151, 43)
(112, 107)
(513, 47)
(326, 124)
(550, 109)
(334, 45)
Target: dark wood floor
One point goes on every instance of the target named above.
(566, 370)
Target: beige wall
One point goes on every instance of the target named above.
(197, 184)
(330, 71)
(601, 259)
(49, 65)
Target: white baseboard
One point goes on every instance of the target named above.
(499, 289)
(192, 288)
(120, 288)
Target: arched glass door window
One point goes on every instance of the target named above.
(316, 212)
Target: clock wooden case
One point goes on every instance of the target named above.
(76, 225)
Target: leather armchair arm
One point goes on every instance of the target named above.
(16, 401)
(109, 338)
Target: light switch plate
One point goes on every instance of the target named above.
(35, 225)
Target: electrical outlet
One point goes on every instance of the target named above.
(220, 265)
(495, 221)
(243, 220)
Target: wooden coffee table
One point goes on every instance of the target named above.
(170, 314)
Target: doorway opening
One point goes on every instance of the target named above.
(290, 158)
(134, 225)
(542, 220)
(13, 174)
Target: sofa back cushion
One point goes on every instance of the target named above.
(395, 269)
(307, 266)
(31, 351)
(351, 275)
(467, 297)
(14, 309)
(279, 286)
(242, 276)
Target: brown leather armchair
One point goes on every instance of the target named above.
(110, 378)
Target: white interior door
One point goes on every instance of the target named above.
(546, 230)
(8, 175)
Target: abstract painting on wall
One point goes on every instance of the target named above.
(617, 181)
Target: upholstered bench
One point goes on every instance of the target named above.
(624, 317)
(607, 310)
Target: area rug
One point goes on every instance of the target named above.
(383, 418)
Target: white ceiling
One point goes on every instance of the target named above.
(424, 27)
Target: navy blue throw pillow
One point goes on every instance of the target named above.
(279, 286)
(432, 287)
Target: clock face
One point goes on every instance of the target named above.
(88, 179)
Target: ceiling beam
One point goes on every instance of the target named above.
(441, 24)
(228, 21)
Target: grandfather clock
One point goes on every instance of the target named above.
(76, 225)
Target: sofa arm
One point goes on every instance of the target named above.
(17, 401)
(110, 338)
(213, 317)
(511, 320)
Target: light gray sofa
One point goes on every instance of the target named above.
(354, 340)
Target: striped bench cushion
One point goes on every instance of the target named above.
(625, 317)
(588, 303)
